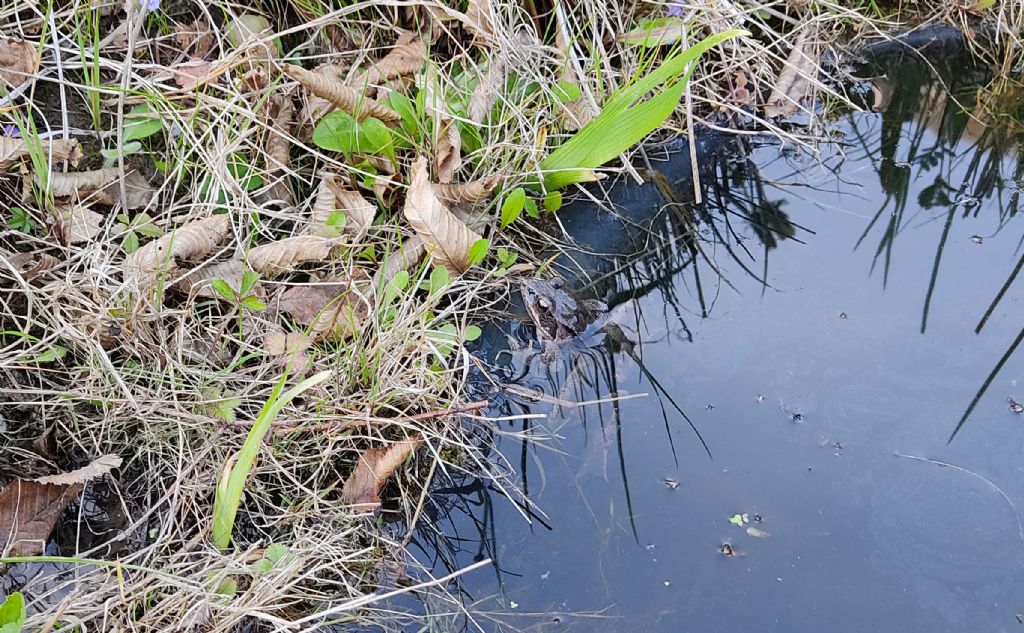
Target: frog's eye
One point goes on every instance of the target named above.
(558, 283)
(544, 302)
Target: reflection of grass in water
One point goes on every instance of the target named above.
(988, 121)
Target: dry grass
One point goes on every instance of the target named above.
(170, 380)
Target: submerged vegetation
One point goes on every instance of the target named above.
(245, 248)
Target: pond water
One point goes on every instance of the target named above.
(826, 396)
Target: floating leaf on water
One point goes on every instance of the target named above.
(375, 467)
(736, 519)
(448, 239)
(756, 533)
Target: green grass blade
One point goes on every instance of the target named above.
(229, 491)
(620, 125)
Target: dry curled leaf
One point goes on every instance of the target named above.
(192, 240)
(333, 198)
(375, 467)
(18, 60)
(406, 58)
(199, 280)
(447, 150)
(78, 225)
(485, 95)
(277, 257)
(102, 186)
(195, 39)
(447, 238)
(358, 105)
(13, 150)
(30, 265)
(281, 114)
(30, 508)
(474, 191)
(292, 347)
(479, 20)
(794, 81)
(334, 308)
(404, 257)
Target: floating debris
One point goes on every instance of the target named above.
(756, 533)
(671, 483)
(727, 550)
(1015, 406)
(977, 239)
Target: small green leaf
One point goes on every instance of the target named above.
(506, 257)
(254, 304)
(439, 279)
(512, 206)
(566, 91)
(48, 356)
(553, 201)
(736, 519)
(223, 289)
(401, 279)
(478, 251)
(656, 32)
(338, 131)
(130, 243)
(472, 333)
(249, 279)
(531, 208)
(336, 220)
(225, 408)
(149, 230)
(227, 587)
(377, 138)
(12, 613)
(141, 122)
(274, 555)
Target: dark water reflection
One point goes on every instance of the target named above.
(843, 354)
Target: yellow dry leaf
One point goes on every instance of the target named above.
(375, 467)
(447, 150)
(190, 241)
(96, 468)
(277, 257)
(447, 238)
(358, 105)
(18, 61)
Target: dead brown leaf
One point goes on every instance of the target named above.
(198, 281)
(406, 58)
(31, 265)
(281, 113)
(18, 60)
(192, 240)
(102, 186)
(795, 79)
(408, 255)
(332, 198)
(195, 39)
(375, 467)
(333, 308)
(474, 191)
(292, 347)
(485, 95)
(78, 224)
(447, 238)
(30, 508)
(479, 20)
(13, 150)
(447, 150)
(358, 105)
(283, 255)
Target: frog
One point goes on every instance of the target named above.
(558, 314)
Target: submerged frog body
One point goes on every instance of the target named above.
(556, 311)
